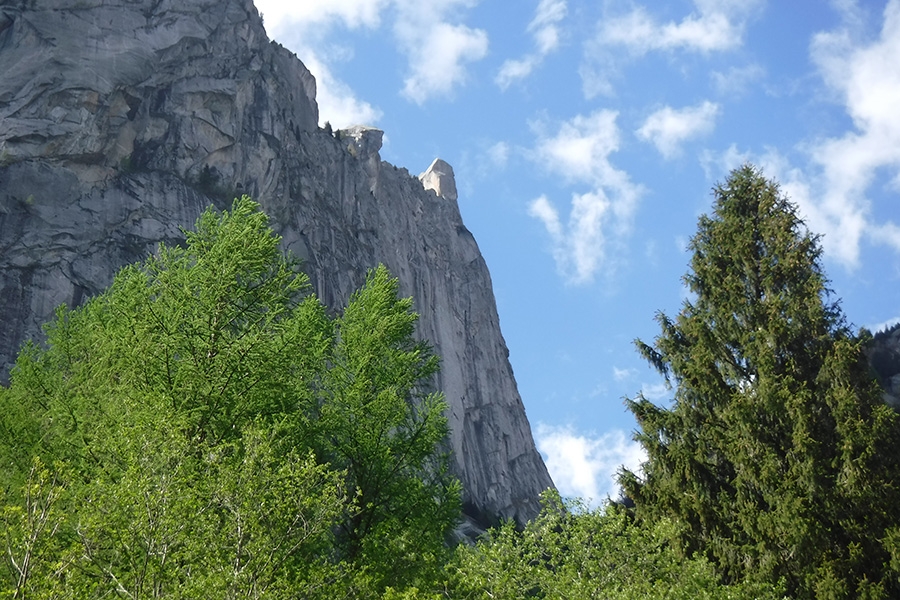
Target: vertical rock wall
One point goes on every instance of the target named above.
(122, 120)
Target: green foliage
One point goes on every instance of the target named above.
(573, 553)
(214, 433)
(204, 428)
(778, 458)
(382, 428)
(33, 552)
(6, 157)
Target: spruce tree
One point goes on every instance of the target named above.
(777, 458)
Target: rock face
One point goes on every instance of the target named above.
(439, 178)
(121, 120)
(884, 357)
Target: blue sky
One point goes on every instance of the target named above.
(586, 136)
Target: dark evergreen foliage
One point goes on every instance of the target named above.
(778, 459)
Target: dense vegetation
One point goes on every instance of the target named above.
(778, 459)
(206, 429)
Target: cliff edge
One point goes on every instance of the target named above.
(122, 120)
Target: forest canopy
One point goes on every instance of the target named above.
(207, 428)
(204, 428)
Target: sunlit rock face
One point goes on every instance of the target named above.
(440, 179)
(121, 120)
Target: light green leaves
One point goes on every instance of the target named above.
(223, 436)
(570, 552)
(385, 428)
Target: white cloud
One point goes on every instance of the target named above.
(622, 374)
(655, 392)
(304, 27)
(544, 25)
(514, 69)
(883, 325)
(736, 80)
(282, 14)
(338, 104)
(667, 128)
(541, 209)
(438, 50)
(437, 59)
(544, 28)
(579, 152)
(498, 154)
(586, 467)
(713, 26)
(715, 164)
(866, 75)
(831, 189)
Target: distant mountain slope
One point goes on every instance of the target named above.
(884, 356)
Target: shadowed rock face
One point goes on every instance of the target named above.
(122, 120)
(884, 357)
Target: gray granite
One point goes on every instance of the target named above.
(121, 120)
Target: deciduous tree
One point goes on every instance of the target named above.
(571, 552)
(205, 429)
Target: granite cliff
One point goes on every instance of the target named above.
(121, 120)
(884, 357)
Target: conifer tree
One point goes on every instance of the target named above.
(778, 458)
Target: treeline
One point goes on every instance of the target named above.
(207, 429)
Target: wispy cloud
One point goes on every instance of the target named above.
(831, 188)
(712, 26)
(716, 164)
(544, 28)
(498, 154)
(541, 209)
(623, 374)
(866, 75)
(437, 46)
(584, 466)
(668, 128)
(736, 80)
(438, 49)
(579, 151)
(655, 391)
